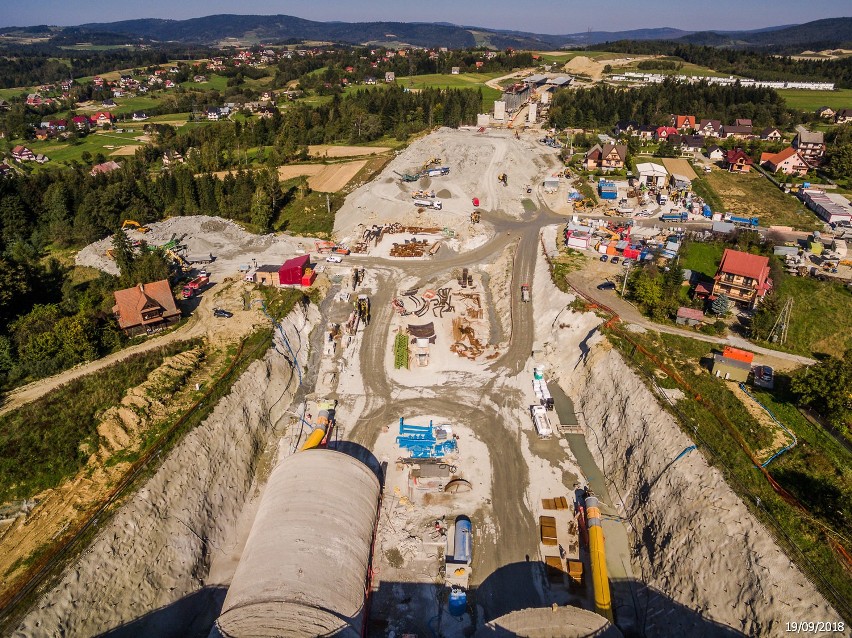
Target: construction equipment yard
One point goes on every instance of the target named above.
(438, 369)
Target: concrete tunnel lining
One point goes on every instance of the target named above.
(304, 566)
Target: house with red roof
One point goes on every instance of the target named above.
(789, 161)
(664, 132)
(102, 118)
(104, 168)
(683, 122)
(81, 122)
(742, 277)
(145, 308)
(737, 161)
(23, 154)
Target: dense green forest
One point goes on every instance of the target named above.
(601, 106)
(746, 63)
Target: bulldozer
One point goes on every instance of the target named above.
(129, 223)
(475, 217)
(503, 178)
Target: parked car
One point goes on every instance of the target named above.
(627, 262)
(607, 285)
(219, 312)
(333, 259)
(604, 258)
(614, 260)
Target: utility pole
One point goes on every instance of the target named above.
(626, 275)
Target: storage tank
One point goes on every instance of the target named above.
(463, 546)
(304, 567)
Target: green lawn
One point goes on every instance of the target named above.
(751, 194)
(705, 192)
(805, 100)
(701, 257)
(214, 81)
(821, 320)
(138, 103)
(460, 81)
(94, 143)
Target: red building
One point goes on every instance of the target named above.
(296, 272)
(742, 277)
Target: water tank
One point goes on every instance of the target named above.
(304, 567)
(463, 550)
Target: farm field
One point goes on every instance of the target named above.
(460, 81)
(821, 320)
(324, 178)
(94, 143)
(804, 100)
(752, 195)
(328, 150)
(218, 82)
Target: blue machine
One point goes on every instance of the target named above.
(423, 442)
(705, 210)
(457, 602)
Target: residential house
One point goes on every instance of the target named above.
(169, 84)
(689, 316)
(172, 157)
(629, 127)
(709, 128)
(58, 125)
(742, 122)
(390, 76)
(118, 92)
(771, 134)
(199, 78)
(715, 153)
(369, 80)
(42, 134)
(81, 122)
(608, 157)
(683, 122)
(41, 159)
(737, 131)
(664, 132)
(98, 81)
(843, 116)
(811, 144)
(145, 308)
(214, 114)
(4, 105)
(789, 161)
(825, 112)
(691, 143)
(742, 277)
(139, 116)
(646, 132)
(34, 99)
(737, 161)
(108, 103)
(6, 170)
(266, 112)
(102, 118)
(22, 154)
(104, 168)
(454, 70)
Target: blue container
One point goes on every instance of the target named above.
(706, 211)
(458, 602)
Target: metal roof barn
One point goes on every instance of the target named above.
(304, 567)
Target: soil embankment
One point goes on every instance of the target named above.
(706, 563)
(146, 571)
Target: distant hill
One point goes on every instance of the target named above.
(831, 33)
(269, 29)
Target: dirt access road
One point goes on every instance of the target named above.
(202, 323)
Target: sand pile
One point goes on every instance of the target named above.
(226, 240)
(146, 571)
(475, 160)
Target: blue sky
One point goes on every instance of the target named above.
(542, 16)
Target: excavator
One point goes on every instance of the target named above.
(503, 179)
(475, 217)
(129, 223)
(432, 161)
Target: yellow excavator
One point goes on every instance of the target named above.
(129, 223)
(475, 217)
(503, 179)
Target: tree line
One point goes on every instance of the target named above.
(601, 106)
(745, 63)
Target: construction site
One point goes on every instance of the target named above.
(446, 444)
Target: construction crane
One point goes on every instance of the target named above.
(129, 223)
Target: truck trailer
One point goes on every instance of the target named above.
(429, 203)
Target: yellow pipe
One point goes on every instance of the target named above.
(314, 439)
(600, 579)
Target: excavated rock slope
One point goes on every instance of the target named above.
(144, 574)
(710, 568)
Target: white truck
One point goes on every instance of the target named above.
(438, 172)
(540, 421)
(429, 203)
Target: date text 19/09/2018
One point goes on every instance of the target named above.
(809, 627)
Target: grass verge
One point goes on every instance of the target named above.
(50, 439)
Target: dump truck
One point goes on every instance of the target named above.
(751, 222)
(429, 203)
(191, 289)
(201, 258)
(438, 172)
(525, 292)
